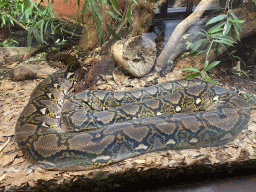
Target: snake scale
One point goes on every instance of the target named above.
(96, 127)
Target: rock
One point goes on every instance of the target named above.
(13, 54)
(22, 73)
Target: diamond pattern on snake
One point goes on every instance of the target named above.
(96, 128)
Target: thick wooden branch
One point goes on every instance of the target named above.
(177, 34)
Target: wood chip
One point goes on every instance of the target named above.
(2, 177)
(4, 145)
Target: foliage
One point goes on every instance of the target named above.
(39, 20)
(218, 38)
(36, 19)
(95, 8)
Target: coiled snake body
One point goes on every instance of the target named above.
(77, 133)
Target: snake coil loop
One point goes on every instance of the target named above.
(76, 133)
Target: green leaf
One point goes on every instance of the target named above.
(37, 34)
(227, 28)
(98, 24)
(239, 26)
(234, 56)
(84, 9)
(42, 31)
(213, 64)
(50, 6)
(54, 29)
(135, 2)
(26, 3)
(224, 42)
(233, 14)
(191, 76)
(99, 30)
(96, 8)
(197, 44)
(200, 53)
(224, 38)
(29, 37)
(191, 69)
(27, 14)
(2, 5)
(129, 13)
(237, 21)
(217, 28)
(34, 5)
(219, 50)
(113, 33)
(199, 33)
(195, 47)
(114, 16)
(46, 26)
(116, 6)
(244, 73)
(208, 79)
(201, 41)
(216, 19)
(10, 43)
(237, 34)
(206, 64)
(214, 31)
(233, 51)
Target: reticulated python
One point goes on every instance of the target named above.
(95, 127)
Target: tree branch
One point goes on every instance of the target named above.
(163, 58)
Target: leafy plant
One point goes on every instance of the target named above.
(39, 20)
(10, 43)
(95, 8)
(218, 38)
(34, 18)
